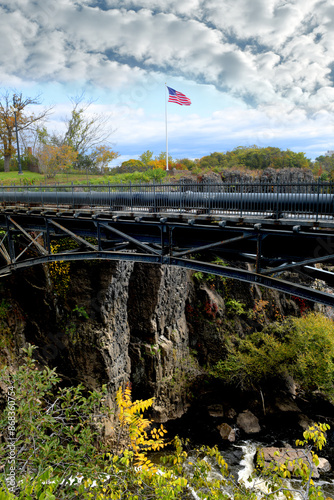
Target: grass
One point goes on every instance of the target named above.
(11, 178)
(31, 178)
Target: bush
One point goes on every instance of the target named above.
(301, 347)
(59, 453)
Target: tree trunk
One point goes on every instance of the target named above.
(7, 163)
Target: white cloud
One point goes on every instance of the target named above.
(257, 48)
(273, 54)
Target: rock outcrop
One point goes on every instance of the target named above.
(116, 322)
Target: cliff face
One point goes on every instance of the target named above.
(118, 322)
(115, 322)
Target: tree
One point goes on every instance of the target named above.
(324, 166)
(212, 160)
(302, 347)
(146, 157)
(87, 134)
(85, 131)
(254, 158)
(132, 165)
(185, 164)
(54, 153)
(101, 156)
(9, 105)
(52, 158)
(161, 159)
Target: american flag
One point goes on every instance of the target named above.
(178, 97)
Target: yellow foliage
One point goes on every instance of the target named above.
(59, 272)
(102, 155)
(134, 431)
(52, 158)
(158, 164)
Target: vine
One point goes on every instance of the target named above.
(59, 271)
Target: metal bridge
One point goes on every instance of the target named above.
(282, 231)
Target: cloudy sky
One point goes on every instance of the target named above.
(257, 71)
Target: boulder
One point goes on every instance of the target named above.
(231, 413)
(324, 466)
(286, 404)
(305, 422)
(226, 432)
(248, 422)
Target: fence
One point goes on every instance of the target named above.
(313, 200)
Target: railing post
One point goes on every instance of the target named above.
(318, 196)
(155, 196)
(242, 199)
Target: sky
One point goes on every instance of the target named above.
(257, 71)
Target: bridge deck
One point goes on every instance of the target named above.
(272, 232)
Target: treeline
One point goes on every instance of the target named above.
(252, 159)
(255, 158)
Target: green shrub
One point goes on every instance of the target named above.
(234, 307)
(301, 347)
(59, 453)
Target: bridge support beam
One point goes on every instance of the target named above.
(77, 238)
(170, 241)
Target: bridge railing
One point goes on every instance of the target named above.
(311, 200)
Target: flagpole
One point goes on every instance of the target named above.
(166, 127)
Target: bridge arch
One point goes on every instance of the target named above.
(246, 276)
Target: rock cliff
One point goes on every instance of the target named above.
(117, 322)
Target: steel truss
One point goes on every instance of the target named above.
(271, 251)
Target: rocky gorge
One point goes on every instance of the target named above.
(158, 328)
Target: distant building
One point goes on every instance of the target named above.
(329, 153)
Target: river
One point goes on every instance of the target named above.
(240, 459)
(245, 468)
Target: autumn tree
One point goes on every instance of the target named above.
(101, 156)
(255, 158)
(52, 158)
(161, 159)
(185, 164)
(86, 130)
(323, 166)
(81, 144)
(87, 134)
(9, 106)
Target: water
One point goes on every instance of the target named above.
(243, 470)
(246, 469)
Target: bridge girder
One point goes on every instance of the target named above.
(271, 248)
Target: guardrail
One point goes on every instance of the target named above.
(314, 200)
